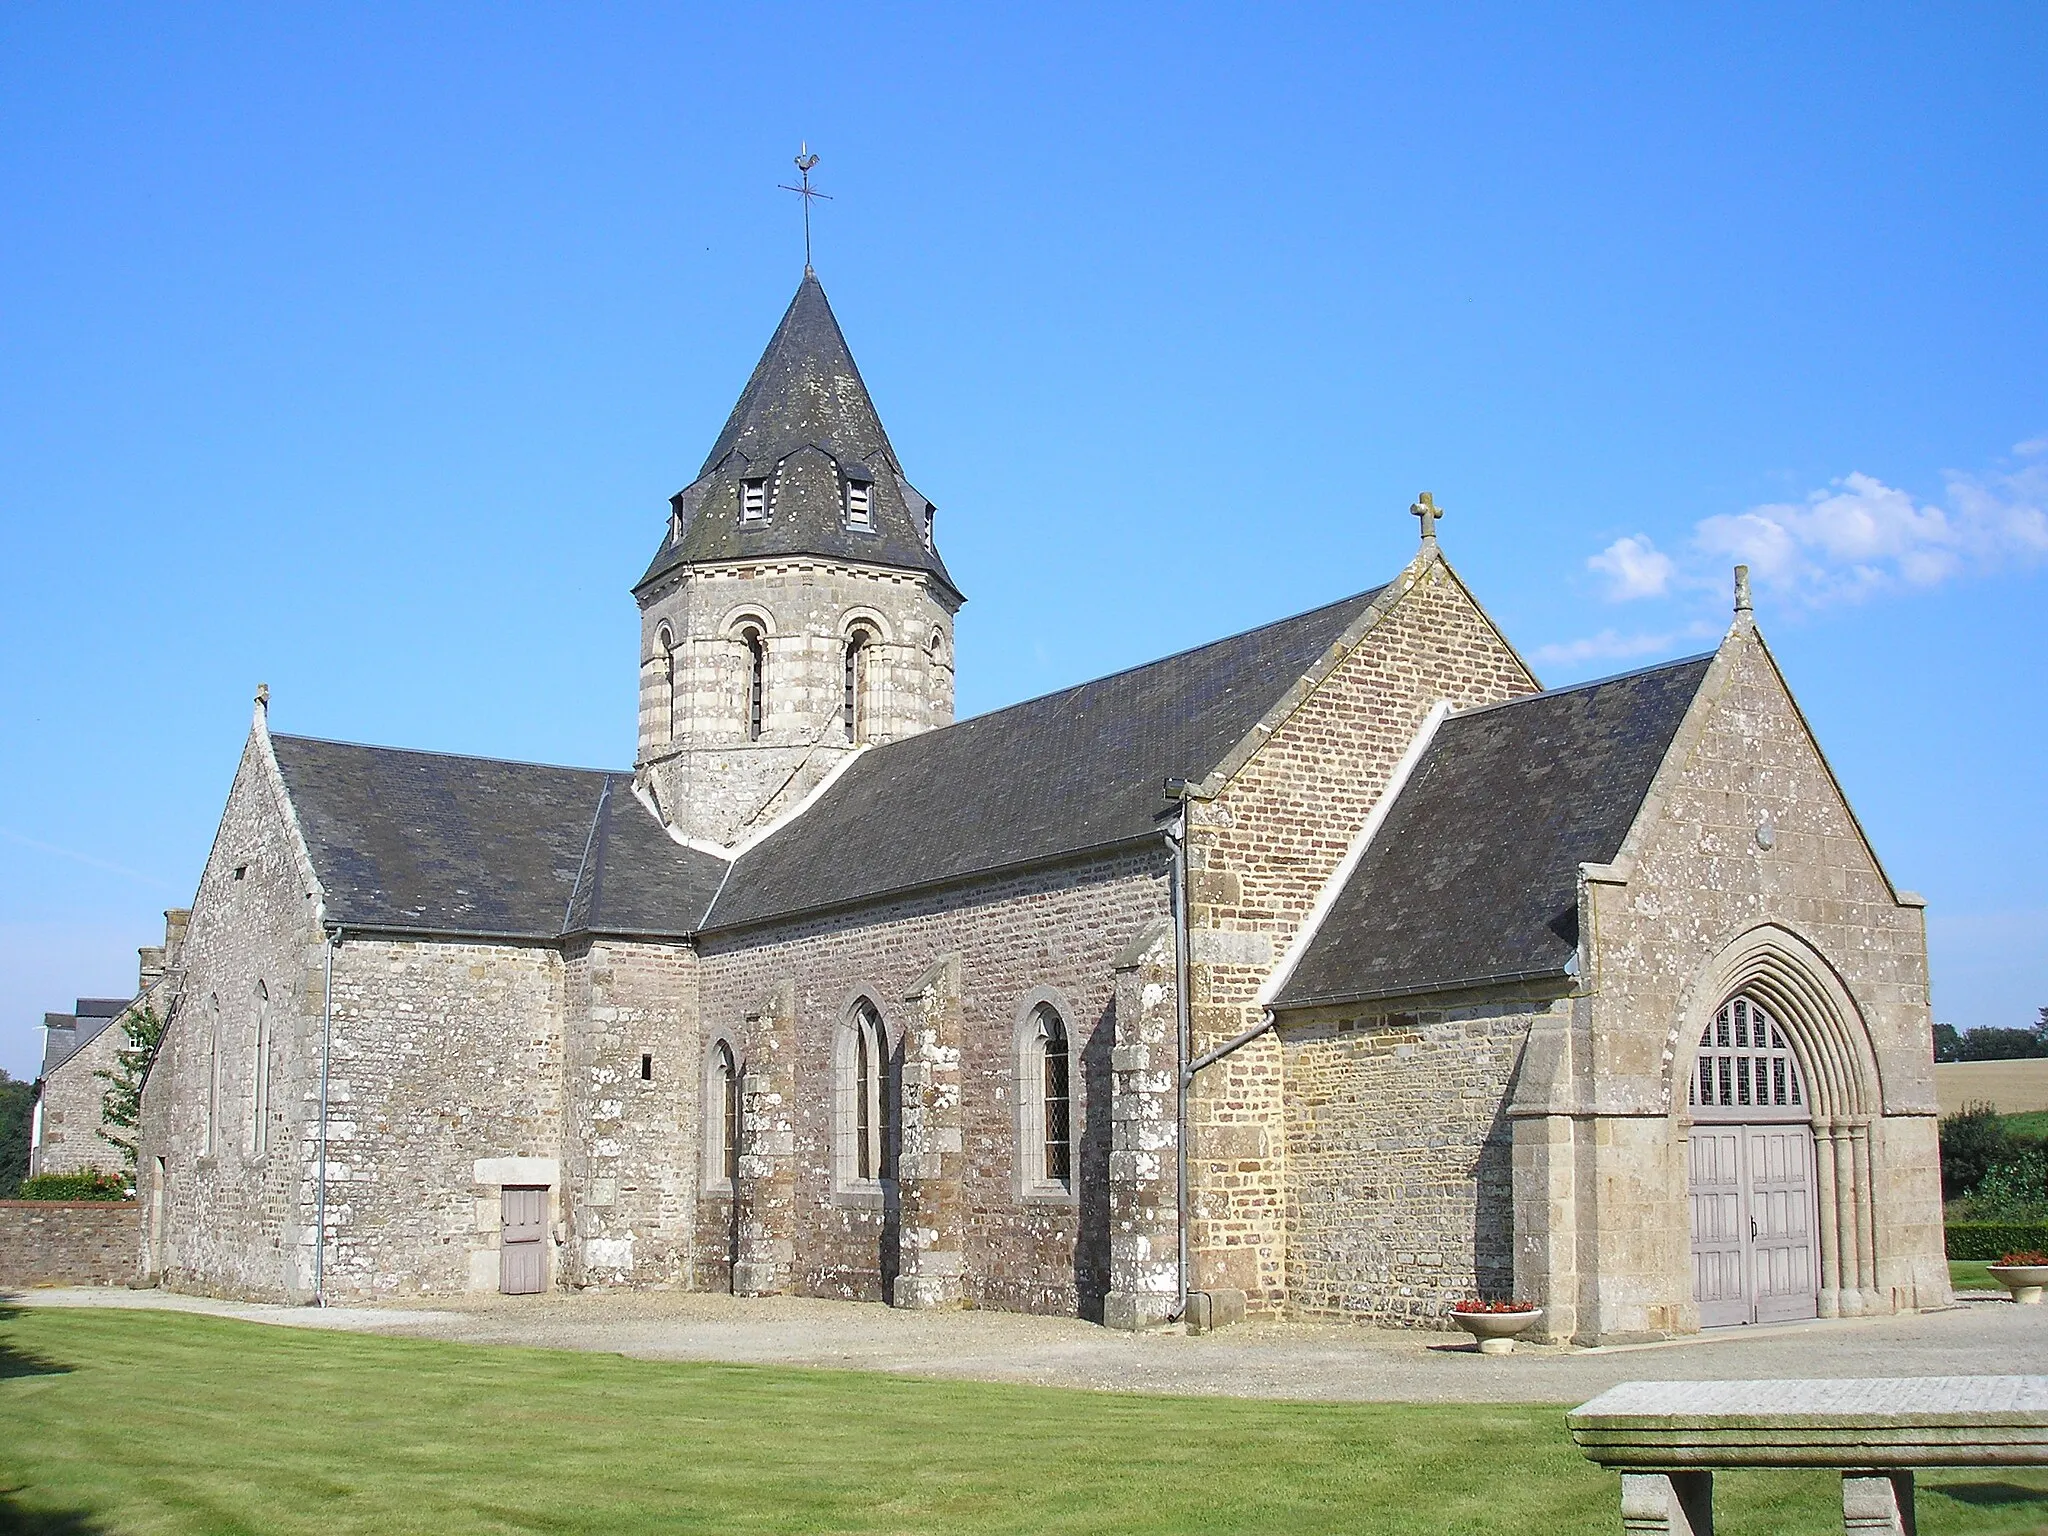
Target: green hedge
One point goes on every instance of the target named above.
(85, 1185)
(1989, 1241)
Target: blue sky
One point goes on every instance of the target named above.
(356, 351)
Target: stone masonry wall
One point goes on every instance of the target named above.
(71, 1101)
(229, 1212)
(1694, 878)
(633, 1090)
(1055, 933)
(448, 1058)
(709, 777)
(1399, 1152)
(67, 1242)
(1259, 855)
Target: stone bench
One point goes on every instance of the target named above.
(1667, 1438)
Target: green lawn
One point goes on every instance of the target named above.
(1972, 1275)
(154, 1422)
(2033, 1122)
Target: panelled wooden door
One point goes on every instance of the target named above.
(522, 1242)
(1754, 1255)
(1784, 1260)
(1720, 1257)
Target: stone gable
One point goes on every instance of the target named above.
(1260, 852)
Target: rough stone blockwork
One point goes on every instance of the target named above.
(1399, 1171)
(1053, 934)
(69, 1242)
(229, 1204)
(1259, 854)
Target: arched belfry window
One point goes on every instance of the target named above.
(1746, 1065)
(853, 710)
(867, 1101)
(665, 684)
(757, 681)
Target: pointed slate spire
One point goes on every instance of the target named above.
(803, 465)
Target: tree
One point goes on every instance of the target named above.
(121, 1104)
(17, 1109)
(1973, 1142)
(1948, 1041)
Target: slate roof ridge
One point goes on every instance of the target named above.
(1591, 682)
(461, 757)
(1142, 666)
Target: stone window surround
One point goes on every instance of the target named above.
(713, 1182)
(847, 1188)
(1028, 1080)
(259, 1077)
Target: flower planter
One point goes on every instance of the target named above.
(1496, 1331)
(2025, 1281)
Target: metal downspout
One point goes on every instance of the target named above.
(1177, 839)
(320, 1183)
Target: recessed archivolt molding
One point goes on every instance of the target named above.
(1806, 998)
(865, 617)
(740, 617)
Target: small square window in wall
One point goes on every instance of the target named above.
(646, 1068)
(241, 871)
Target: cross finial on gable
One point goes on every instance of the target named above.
(1427, 511)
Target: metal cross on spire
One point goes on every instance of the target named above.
(1428, 512)
(805, 160)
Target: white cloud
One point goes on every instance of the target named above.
(1608, 645)
(1860, 536)
(1853, 539)
(1634, 567)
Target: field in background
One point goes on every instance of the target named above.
(2016, 1087)
(130, 1422)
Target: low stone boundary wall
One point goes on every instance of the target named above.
(69, 1242)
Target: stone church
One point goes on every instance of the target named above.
(1331, 969)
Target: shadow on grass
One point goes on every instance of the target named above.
(21, 1362)
(1990, 1495)
(16, 1521)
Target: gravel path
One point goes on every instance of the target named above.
(1309, 1361)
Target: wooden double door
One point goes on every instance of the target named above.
(1755, 1255)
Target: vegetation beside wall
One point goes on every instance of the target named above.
(17, 1109)
(85, 1184)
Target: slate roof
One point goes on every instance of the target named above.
(424, 842)
(806, 426)
(1472, 878)
(66, 1034)
(1075, 770)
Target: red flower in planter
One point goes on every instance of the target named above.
(2028, 1256)
(1474, 1304)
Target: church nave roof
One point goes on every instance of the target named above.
(425, 842)
(1072, 771)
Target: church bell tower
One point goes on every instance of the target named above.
(797, 610)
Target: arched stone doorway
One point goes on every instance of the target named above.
(1780, 1087)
